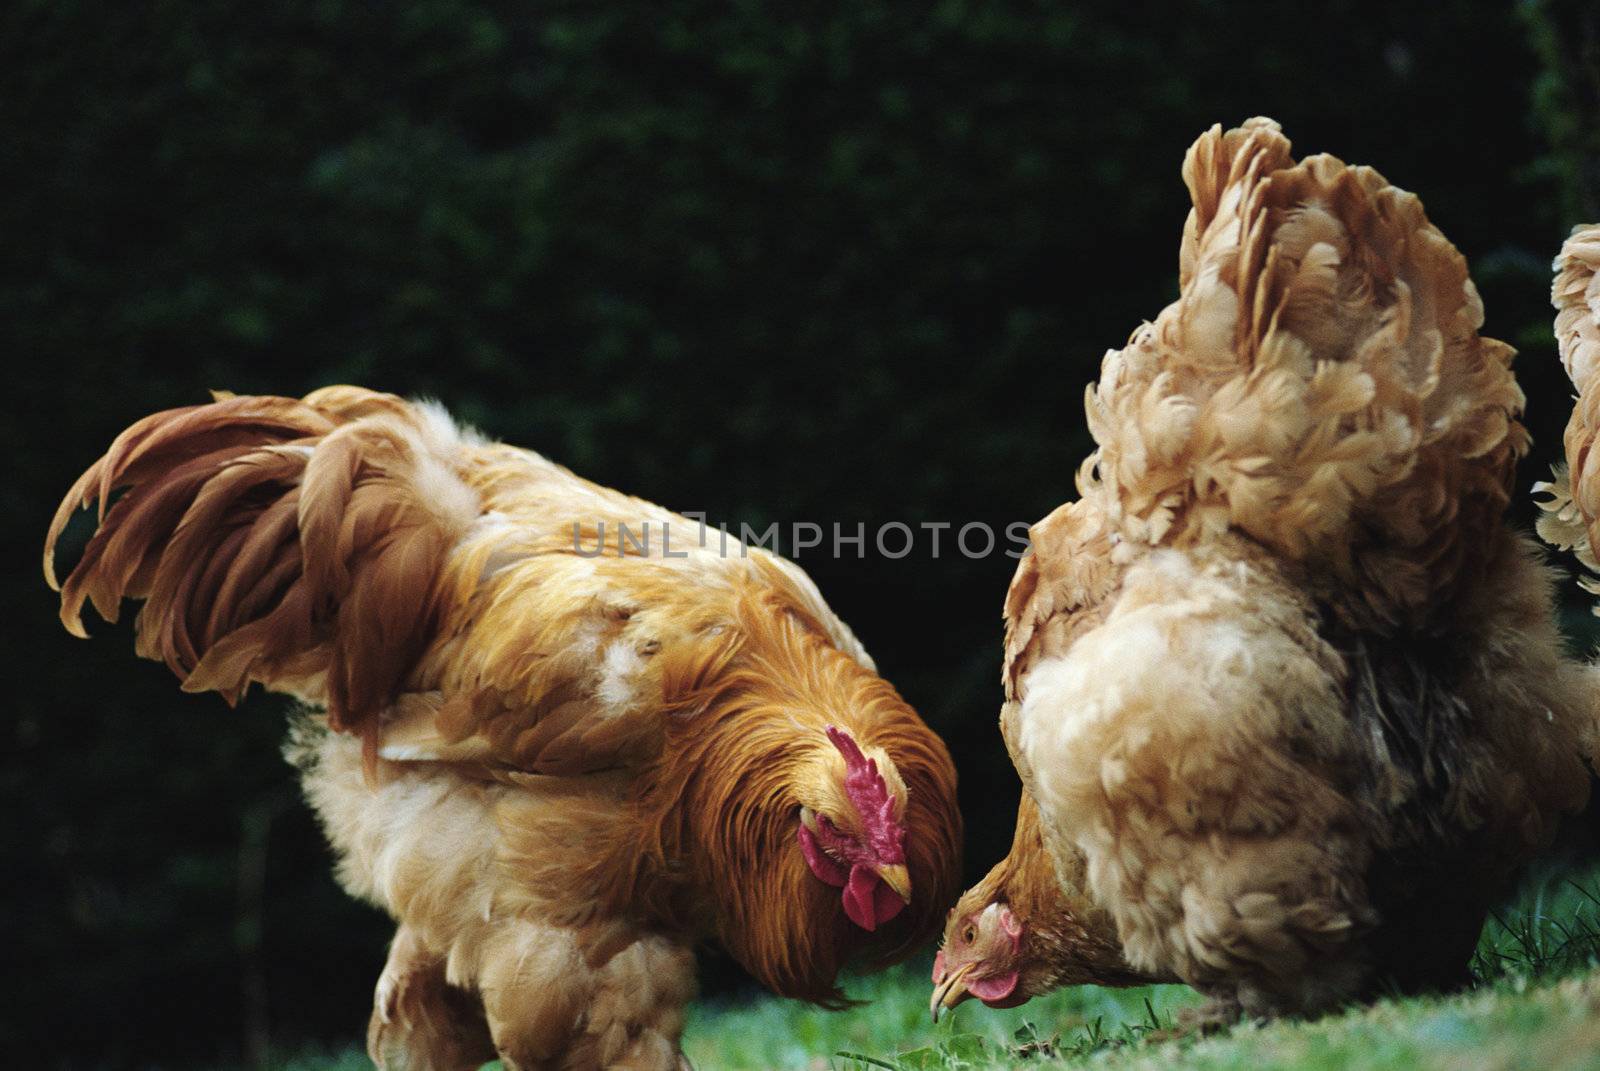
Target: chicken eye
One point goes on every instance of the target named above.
(970, 934)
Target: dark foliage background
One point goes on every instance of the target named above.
(773, 263)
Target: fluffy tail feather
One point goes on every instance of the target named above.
(1319, 384)
(294, 543)
(1571, 519)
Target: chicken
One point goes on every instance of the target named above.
(561, 735)
(1571, 520)
(1285, 692)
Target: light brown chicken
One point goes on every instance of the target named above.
(559, 734)
(1571, 520)
(1285, 689)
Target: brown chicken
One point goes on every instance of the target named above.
(559, 734)
(1572, 512)
(1285, 692)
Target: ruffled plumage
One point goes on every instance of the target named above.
(1319, 384)
(1571, 517)
(557, 748)
(1287, 697)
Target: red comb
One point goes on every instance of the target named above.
(868, 791)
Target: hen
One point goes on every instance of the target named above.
(1285, 691)
(559, 734)
(1571, 520)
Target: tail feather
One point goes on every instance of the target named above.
(294, 543)
(1319, 384)
(164, 440)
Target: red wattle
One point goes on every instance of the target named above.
(859, 897)
(995, 989)
(868, 901)
(887, 903)
(938, 966)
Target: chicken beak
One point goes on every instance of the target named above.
(898, 878)
(950, 991)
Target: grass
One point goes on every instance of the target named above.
(1536, 1006)
(893, 1029)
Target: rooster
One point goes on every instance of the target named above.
(1285, 692)
(559, 734)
